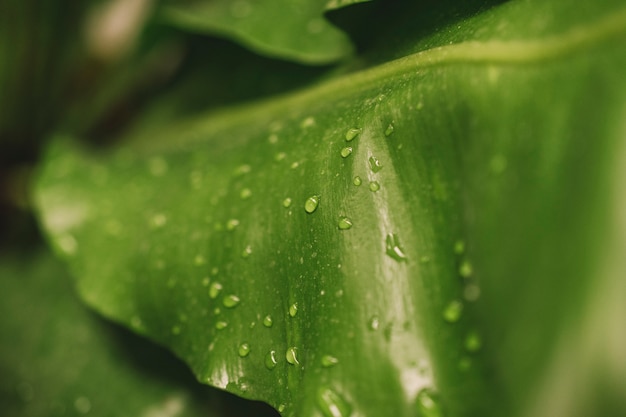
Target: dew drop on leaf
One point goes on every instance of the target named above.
(221, 325)
(270, 360)
(293, 310)
(232, 224)
(375, 164)
(244, 350)
(245, 194)
(374, 186)
(231, 301)
(329, 361)
(246, 252)
(292, 356)
(268, 321)
(389, 130)
(473, 341)
(374, 323)
(428, 404)
(393, 248)
(459, 247)
(452, 312)
(331, 404)
(351, 134)
(344, 223)
(357, 181)
(345, 152)
(215, 289)
(311, 203)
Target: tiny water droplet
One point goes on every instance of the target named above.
(270, 360)
(459, 247)
(281, 408)
(243, 169)
(374, 323)
(351, 134)
(344, 223)
(293, 309)
(244, 350)
(246, 252)
(374, 186)
(393, 248)
(231, 301)
(221, 325)
(452, 312)
(232, 224)
(473, 341)
(280, 156)
(375, 164)
(311, 203)
(329, 361)
(425, 259)
(428, 404)
(331, 404)
(389, 129)
(215, 289)
(268, 321)
(357, 181)
(292, 356)
(199, 260)
(345, 152)
(287, 202)
(308, 122)
(245, 194)
(158, 220)
(176, 330)
(465, 269)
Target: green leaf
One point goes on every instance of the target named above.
(291, 30)
(431, 236)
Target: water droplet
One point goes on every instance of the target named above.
(268, 321)
(176, 330)
(221, 325)
(287, 202)
(465, 269)
(82, 405)
(246, 252)
(425, 259)
(232, 224)
(281, 408)
(452, 312)
(292, 356)
(374, 186)
(280, 156)
(357, 181)
(308, 122)
(231, 301)
(244, 350)
(311, 203)
(374, 323)
(344, 223)
(270, 360)
(199, 260)
(293, 309)
(243, 169)
(158, 220)
(393, 249)
(215, 289)
(473, 341)
(428, 404)
(329, 361)
(375, 164)
(331, 404)
(389, 130)
(459, 247)
(345, 152)
(273, 138)
(245, 194)
(351, 134)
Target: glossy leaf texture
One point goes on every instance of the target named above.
(430, 236)
(285, 29)
(57, 358)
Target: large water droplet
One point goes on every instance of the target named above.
(473, 341)
(231, 301)
(270, 360)
(452, 312)
(311, 203)
(331, 404)
(268, 321)
(351, 134)
(215, 289)
(374, 186)
(375, 164)
(329, 361)
(292, 356)
(293, 309)
(393, 248)
(345, 152)
(244, 350)
(357, 181)
(428, 404)
(344, 223)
